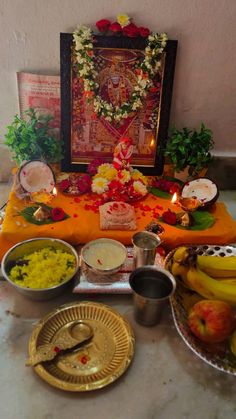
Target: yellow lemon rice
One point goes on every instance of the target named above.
(43, 268)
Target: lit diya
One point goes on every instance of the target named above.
(189, 205)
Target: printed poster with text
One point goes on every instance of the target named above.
(41, 92)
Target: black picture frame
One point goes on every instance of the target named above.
(66, 43)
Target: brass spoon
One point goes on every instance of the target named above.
(72, 337)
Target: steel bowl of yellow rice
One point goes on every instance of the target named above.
(40, 268)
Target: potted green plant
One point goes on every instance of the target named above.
(189, 151)
(30, 137)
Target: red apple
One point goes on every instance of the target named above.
(211, 321)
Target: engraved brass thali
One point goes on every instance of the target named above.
(97, 363)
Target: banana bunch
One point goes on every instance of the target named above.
(213, 277)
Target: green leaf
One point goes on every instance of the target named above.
(159, 193)
(202, 220)
(28, 214)
(31, 137)
(174, 179)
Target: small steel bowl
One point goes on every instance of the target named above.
(98, 242)
(29, 246)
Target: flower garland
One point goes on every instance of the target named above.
(83, 47)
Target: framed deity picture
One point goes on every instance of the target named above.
(87, 136)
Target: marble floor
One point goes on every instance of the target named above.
(166, 380)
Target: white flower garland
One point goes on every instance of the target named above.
(83, 46)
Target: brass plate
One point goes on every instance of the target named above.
(218, 355)
(96, 364)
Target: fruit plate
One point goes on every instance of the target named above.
(217, 355)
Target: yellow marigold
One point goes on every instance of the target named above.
(137, 175)
(123, 20)
(125, 176)
(107, 171)
(139, 187)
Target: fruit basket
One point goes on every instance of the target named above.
(218, 355)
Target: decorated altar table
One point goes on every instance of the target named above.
(83, 223)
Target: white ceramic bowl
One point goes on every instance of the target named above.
(104, 256)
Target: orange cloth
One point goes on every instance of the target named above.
(83, 224)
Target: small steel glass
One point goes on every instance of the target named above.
(145, 244)
(152, 287)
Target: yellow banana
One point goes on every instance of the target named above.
(229, 281)
(210, 288)
(218, 266)
(233, 343)
(181, 254)
(181, 271)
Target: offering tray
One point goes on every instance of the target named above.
(117, 283)
(95, 364)
(217, 355)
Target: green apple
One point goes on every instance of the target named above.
(211, 321)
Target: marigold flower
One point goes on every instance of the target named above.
(123, 19)
(137, 175)
(139, 187)
(99, 185)
(124, 175)
(107, 171)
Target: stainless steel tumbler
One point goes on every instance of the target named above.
(152, 287)
(145, 244)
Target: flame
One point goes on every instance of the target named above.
(54, 191)
(174, 198)
(152, 142)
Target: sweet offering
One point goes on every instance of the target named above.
(117, 216)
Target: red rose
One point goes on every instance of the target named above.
(153, 89)
(169, 217)
(93, 166)
(143, 32)
(115, 27)
(131, 30)
(64, 184)
(161, 251)
(103, 25)
(58, 214)
(84, 183)
(174, 188)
